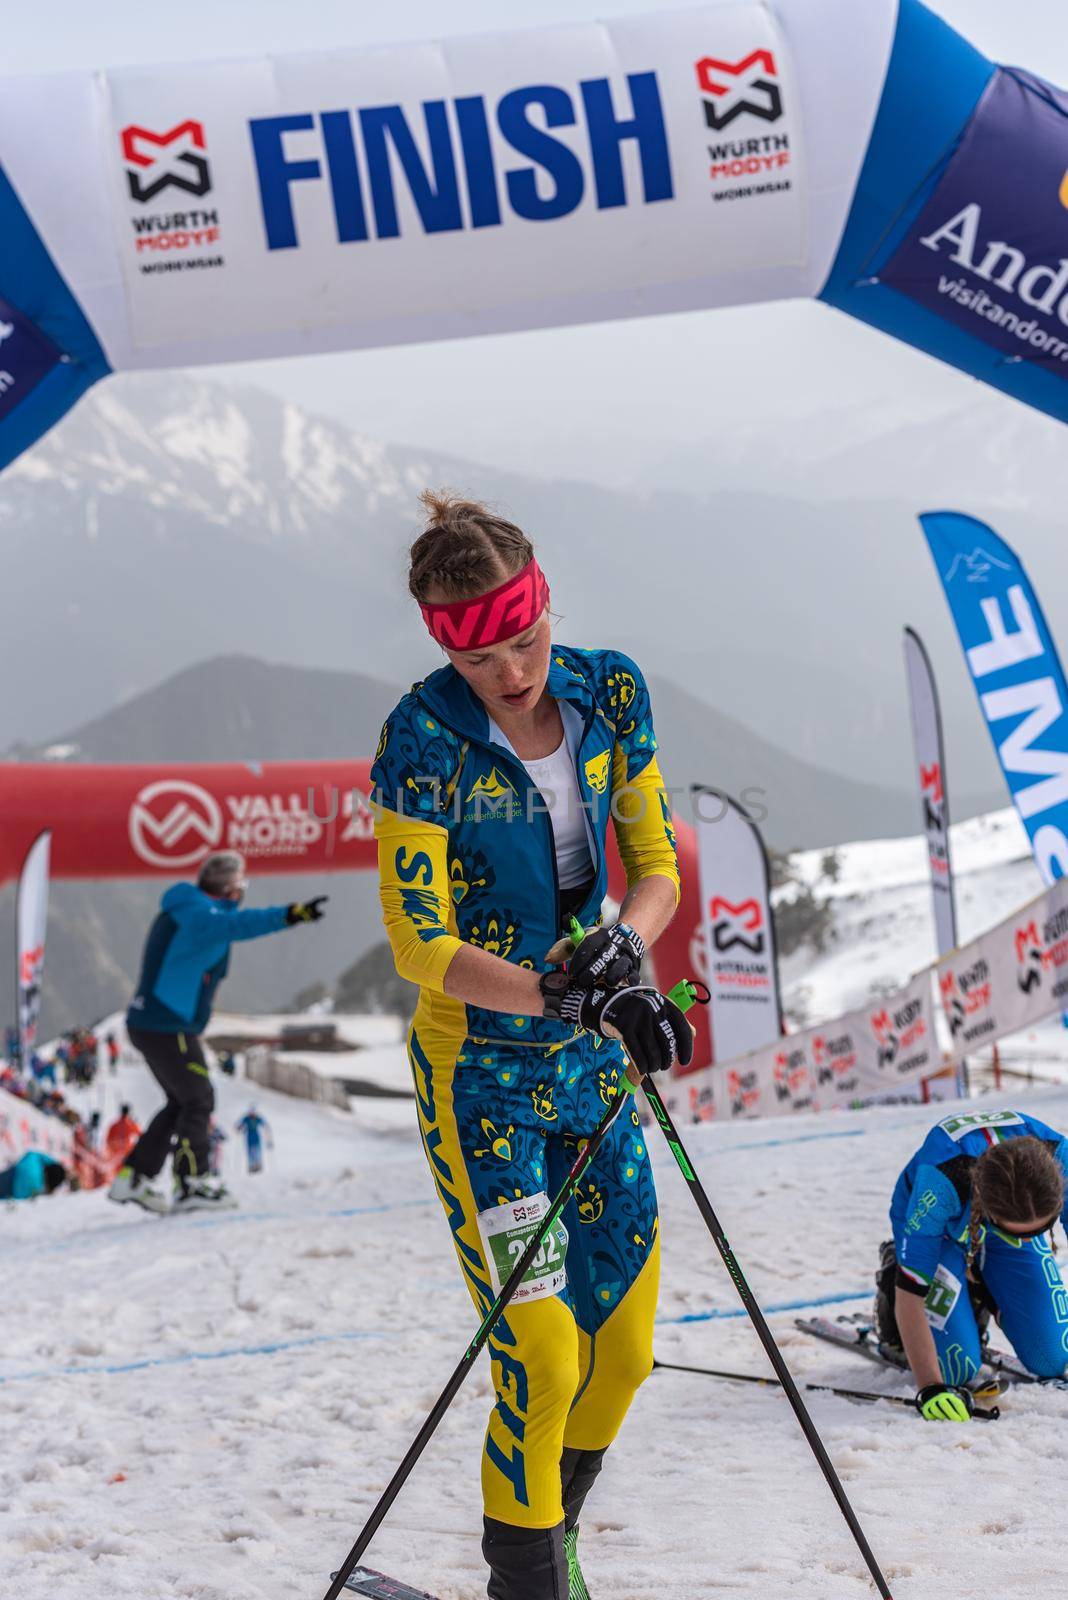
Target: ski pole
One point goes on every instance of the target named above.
(685, 994)
(764, 1333)
(869, 1396)
(580, 1165)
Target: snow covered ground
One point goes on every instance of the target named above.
(206, 1408)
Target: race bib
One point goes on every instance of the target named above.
(971, 1121)
(941, 1297)
(506, 1232)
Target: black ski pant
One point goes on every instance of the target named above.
(177, 1063)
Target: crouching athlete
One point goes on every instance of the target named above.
(972, 1215)
(494, 783)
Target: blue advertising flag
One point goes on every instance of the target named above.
(1017, 674)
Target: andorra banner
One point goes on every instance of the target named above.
(734, 152)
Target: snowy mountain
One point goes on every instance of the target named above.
(169, 520)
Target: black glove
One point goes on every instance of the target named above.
(651, 1028)
(306, 911)
(608, 958)
(944, 1402)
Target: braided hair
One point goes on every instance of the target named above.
(464, 550)
(1018, 1182)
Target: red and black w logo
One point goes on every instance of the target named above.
(156, 161)
(741, 924)
(731, 88)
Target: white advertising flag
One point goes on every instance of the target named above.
(740, 963)
(31, 917)
(934, 798)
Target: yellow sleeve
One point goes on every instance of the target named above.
(642, 821)
(413, 885)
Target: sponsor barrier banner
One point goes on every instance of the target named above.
(896, 1040)
(987, 250)
(739, 964)
(934, 796)
(23, 1127)
(31, 920)
(1016, 671)
(1011, 977)
(874, 1053)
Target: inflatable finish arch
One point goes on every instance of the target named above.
(863, 154)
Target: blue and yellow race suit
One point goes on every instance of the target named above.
(466, 855)
(930, 1212)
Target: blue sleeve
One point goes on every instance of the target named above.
(212, 923)
(1061, 1154)
(416, 765)
(932, 1207)
(631, 709)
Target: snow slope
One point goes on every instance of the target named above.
(206, 1408)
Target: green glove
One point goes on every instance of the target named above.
(941, 1402)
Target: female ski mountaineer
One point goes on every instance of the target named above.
(971, 1213)
(494, 782)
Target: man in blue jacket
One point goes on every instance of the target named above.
(186, 957)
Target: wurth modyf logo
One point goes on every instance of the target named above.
(156, 161)
(170, 167)
(737, 925)
(733, 88)
(174, 823)
(1029, 953)
(745, 96)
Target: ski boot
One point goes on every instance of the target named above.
(578, 1472)
(201, 1194)
(525, 1563)
(884, 1316)
(133, 1188)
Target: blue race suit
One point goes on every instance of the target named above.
(251, 1125)
(930, 1212)
(466, 855)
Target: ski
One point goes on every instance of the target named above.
(856, 1333)
(376, 1586)
(859, 1396)
(852, 1333)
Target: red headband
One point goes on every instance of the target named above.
(501, 613)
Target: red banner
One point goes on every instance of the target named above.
(284, 816)
(161, 821)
